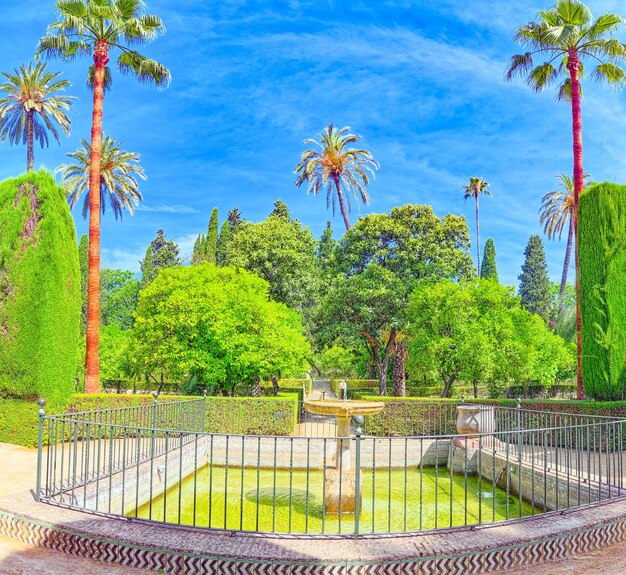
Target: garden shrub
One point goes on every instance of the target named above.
(40, 301)
(602, 254)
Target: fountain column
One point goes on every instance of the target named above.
(340, 492)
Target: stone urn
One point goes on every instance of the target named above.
(475, 419)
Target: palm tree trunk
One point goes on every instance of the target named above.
(573, 65)
(342, 203)
(92, 360)
(477, 236)
(30, 143)
(568, 253)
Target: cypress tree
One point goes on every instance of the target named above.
(212, 237)
(281, 211)
(194, 255)
(161, 253)
(83, 262)
(488, 270)
(602, 257)
(223, 243)
(148, 268)
(325, 247)
(534, 288)
(234, 220)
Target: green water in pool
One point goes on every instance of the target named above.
(283, 501)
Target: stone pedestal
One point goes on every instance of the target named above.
(340, 491)
(471, 420)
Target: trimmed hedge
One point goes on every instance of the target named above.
(253, 415)
(237, 415)
(602, 253)
(404, 419)
(40, 301)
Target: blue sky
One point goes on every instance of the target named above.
(421, 81)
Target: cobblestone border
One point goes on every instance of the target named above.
(84, 540)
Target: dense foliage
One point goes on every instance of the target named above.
(119, 291)
(40, 301)
(477, 333)
(217, 324)
(602, 234)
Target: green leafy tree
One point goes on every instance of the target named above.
(210, 251)
(39, 290)
(370, 304)
(119, 178)
(161, 254)
(476, 332)
(95, 28)
(567, 32)
(534, 287)
(83, 261)
(217, 325)
(282, 252)
(337, 168)
(119, 293)
(392, 252)
(33, 108)
(114, 354)
(488, 270)
(476, 188)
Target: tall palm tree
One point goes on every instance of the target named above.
(556, 213)
(564, 36)
(93, 28)
(337, 168)
(119, 173)
(474, 189)
(32, 107)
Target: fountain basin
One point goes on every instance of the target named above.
(343, 408)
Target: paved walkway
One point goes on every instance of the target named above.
(313, 425)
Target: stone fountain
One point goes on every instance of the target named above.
(340, 487)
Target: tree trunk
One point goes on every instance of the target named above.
(30, 142)
(477, 237)
(573, 65)
(92, 361)
(275, 388)
(382, 363)
(256, 390)
(399, 373)
(475, 386)
(342, 203)
(568, 253)
(449, 382)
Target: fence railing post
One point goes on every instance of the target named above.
(358, 420)
(204, 411)
(42, 414)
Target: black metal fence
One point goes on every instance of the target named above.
(404, 470)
